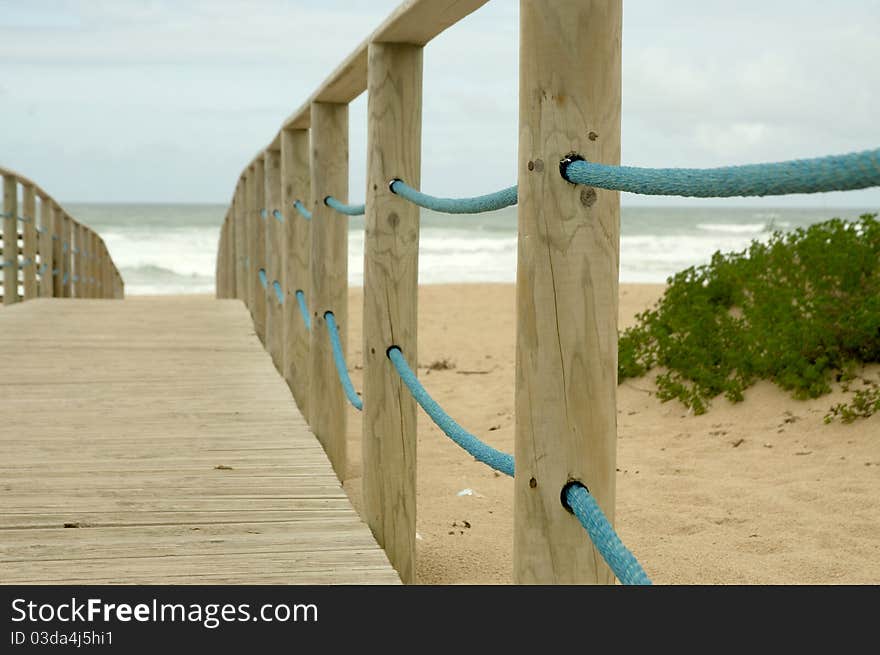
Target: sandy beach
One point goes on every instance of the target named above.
(757, 492)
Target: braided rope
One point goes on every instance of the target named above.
(342, 208)
(278, 292)
(856, 170)
(303, 310)
(339, 360)
(476, 205)
(301, 208)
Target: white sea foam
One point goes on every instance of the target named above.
(172, 249)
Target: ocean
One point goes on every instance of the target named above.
(171, 249)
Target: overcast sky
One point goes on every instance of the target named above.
(166, 100)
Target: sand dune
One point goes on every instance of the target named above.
(757, 492)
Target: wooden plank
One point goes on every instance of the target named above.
(29, 242)
(9, 257)
(45, 244)
(391, 282)
(296, 185)
(164, 471)
(566, 355)
(328, 277)
(415, 22)
(274, 254)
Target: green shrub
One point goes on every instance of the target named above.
(799, 310)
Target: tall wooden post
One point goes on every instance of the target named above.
(241, 243)
(10, 240)
(229, 265)
(57, 251)
(47, 259)
(76, 248)
(66, 271)
(94, 270)
(296, 185)
(250, 263)
(106, 272)
(220, 263)
(257, 201)
(329, 276)
(274, 252)
(391, 284)
(567, 278)
(29, 241)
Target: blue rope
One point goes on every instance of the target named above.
(583, 505)
(8, 262)
(278, 215)
(5, 214)
(498, 460)
(25, 262)
(856, 170)
(262, 274)
(75, 251)
(342, 208)
(618, 557)
(263, 213)
(303, 310)
(278, 292)
(55, 271)
(24, 219)
(301, 208)
(76, 278)
(339, 359)
(490, 202)
(64, 246)
(43, 268)
(54, 237)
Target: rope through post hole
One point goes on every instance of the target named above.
(303, 310)
(339, 360)
(278, 215)
(619, 559)
(303, 211)
(498, 460)
(342, 208)
(857, 170)
(279, 293)
(263, 281)
(475, 205)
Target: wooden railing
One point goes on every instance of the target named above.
(570, 94)
(45, 253)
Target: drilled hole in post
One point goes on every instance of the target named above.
(563, 495)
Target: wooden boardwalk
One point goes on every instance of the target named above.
(151, 440)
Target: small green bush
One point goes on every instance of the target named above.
(800, 310)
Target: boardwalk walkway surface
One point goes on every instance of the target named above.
(152, 441)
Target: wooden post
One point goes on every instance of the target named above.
(256, 202)
(567, 278)
(229, 265)
(328, 276)
(57, 251)
(29, 241)
(239, 206)
(274, 264)
(10, 240)
(391, 285)
(219, 270)
(94, 270)
(46, 250)
(76, 248)
(66, 271)
(106, 272)
(251, 240)
(296, 185)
